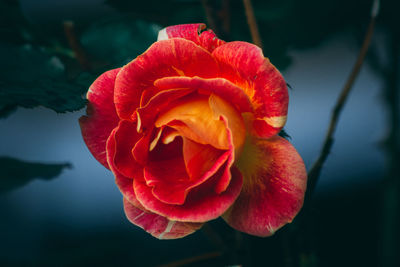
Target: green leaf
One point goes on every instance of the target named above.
(16, 173)
(30, 77)
(13, 26)
(117, 42)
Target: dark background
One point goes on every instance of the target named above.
(60, 207)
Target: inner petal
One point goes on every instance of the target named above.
(176, 168)
(193, 118)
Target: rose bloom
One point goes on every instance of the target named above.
(189, 130)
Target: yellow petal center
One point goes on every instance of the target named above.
(199, 119)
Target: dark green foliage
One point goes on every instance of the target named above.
(16, 173)
(13, 26)
(30, 77)
(111, 43)
(32, 73)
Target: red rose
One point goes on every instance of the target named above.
(189, 129)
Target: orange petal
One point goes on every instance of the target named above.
(196, 121)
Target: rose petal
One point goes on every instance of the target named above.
(193, 32)
(245, 65)
(156, 225)
(273, 189)
(119, 147)
(202, 203)
(164, 58)
(125, 185)
(225, 179)
(172, 178)
(194, 119)
(158, 102)
(101, 116)
(200, 159)
(218, 86)
(232, 120)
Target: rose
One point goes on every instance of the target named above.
(189, 129)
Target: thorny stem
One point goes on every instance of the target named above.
(251, 20)
(75, 45)
(315, 170)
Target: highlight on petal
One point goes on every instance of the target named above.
(245, 65)
(101, 116)
(192, 32)
(274, 184)
(166, 58)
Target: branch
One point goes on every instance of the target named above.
(315, 171)
(251, 20)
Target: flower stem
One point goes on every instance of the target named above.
(251, 20)
(315, 170)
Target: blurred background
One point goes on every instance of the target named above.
(60, 207)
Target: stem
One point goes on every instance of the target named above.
(251, 20)
(391, 190)
(315, 170)
(226, 19)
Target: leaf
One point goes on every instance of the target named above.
(166, 13)
(13, 26)
(117, 42)
(16, 173)
(31, 77)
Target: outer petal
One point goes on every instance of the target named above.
(202, 203)
(193, 32)
(101, 116)
(245, 65)
(163, 59)
(156, 225)
(125, 136)
(273, 190)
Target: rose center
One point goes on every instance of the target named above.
(207, 120)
